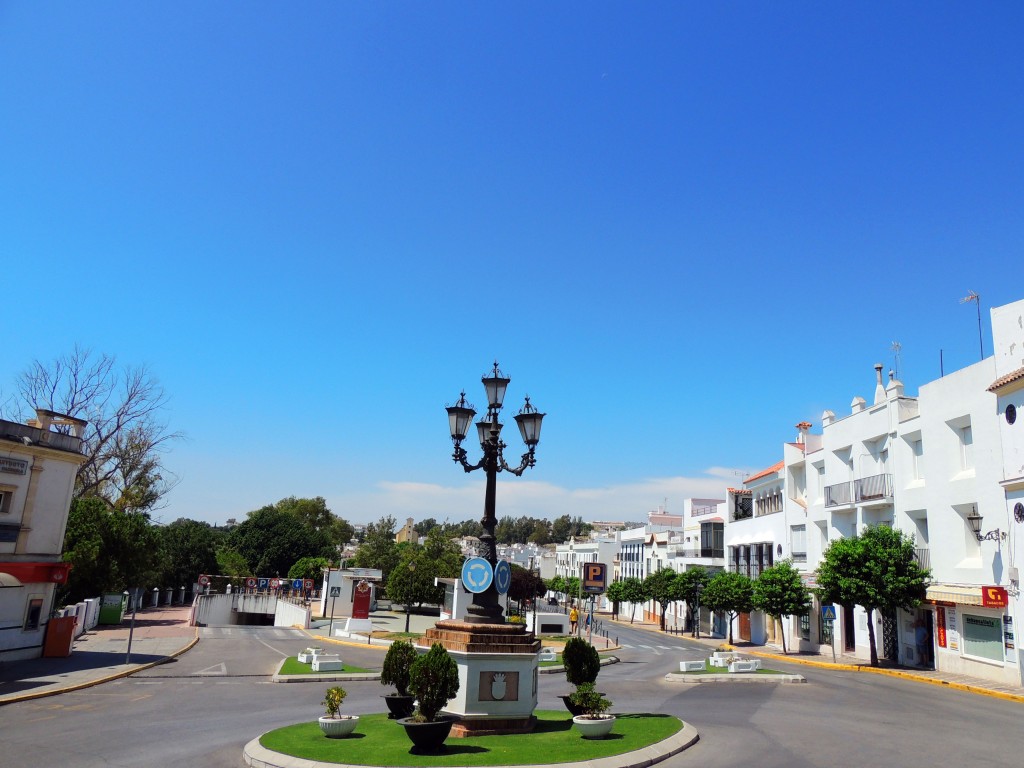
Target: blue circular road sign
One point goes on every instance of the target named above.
(477, 574)
(502, 577)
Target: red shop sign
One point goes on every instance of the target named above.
(940, 622)
(994, 597)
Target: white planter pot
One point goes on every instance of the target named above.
(594, 728)
(337, 727)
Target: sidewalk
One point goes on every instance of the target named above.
(846, 663)
(99, 655)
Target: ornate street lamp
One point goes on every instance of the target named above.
(974, 519)
(485, 608)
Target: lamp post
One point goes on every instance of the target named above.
(485, 608)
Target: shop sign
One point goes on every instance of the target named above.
(940, 625)
(994, 597)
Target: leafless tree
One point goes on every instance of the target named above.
(125, 437)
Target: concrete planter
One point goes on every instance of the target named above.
(596, 727)
(338, 727)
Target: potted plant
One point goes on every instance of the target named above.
(433, 680)
(397, 663)
(334, 725)
(593, 722)
(582, 663)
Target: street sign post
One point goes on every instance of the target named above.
(828, 615)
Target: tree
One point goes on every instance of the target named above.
(315, 515)
(556, 584)
(525, 585)
(660, 586)
(188, 548)
(109, 550)
(424, 527)
(876, 569)
(633, 592)
(731, 593)
(309, 568)
(271, 540)
(231, 563)
(378, 548)
(779, 592)
(125, 436)
(616, 593)
(689, 586)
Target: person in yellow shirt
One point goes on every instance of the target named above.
(574, 617)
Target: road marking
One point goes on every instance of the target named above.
(260, 640)
(216, 669)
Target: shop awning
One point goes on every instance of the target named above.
(950, 593)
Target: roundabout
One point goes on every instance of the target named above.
(638, 740)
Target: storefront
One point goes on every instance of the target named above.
(974, 631)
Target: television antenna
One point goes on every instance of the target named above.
(972, 296)
(896, 347)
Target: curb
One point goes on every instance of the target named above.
(327, 677)
(560, 669)
(101, 680)
(258, 756)
(966, 687)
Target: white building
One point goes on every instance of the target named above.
(38, 465)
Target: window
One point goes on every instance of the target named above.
(983, 637)
(712, 539)
(798, 543)
(1011, 413)
(805, 626)
(917, 450)
(6, 494)
(966, 447)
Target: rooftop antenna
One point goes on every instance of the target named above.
(896, 347)
(972, 296)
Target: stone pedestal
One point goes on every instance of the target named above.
(497, 676)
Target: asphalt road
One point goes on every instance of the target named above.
(201, 709)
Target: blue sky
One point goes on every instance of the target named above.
(681, 228)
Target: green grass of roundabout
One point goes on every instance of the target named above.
(382, 742)
(292, 666)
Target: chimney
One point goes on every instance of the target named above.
(895, 388)
(857, 404)
(879, 387)
(801, 435)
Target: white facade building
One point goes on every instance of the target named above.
(38, 465)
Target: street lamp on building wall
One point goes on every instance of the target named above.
(975, 521)
(485, 608)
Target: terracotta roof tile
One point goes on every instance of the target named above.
(765, 472)
(1002, 381)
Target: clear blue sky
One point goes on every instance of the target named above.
(681, 228)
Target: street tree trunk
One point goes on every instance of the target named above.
(782, 632)
(871, 639)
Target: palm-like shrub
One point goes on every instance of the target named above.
(333, 699)
(581, 661)
(590, 702)
(433, 680)
(397, 665)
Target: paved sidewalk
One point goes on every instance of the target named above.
(99, 655)
(977, 685)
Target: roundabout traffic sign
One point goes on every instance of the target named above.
(477, 574)
(502, 577)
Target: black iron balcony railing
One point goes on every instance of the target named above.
(839, 494)
(873, 488)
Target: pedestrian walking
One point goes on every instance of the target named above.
(574, 617)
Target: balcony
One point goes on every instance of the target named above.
(839, 495)
(923, 557)
(700, 511)
(874, 489)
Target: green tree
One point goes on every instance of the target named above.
(424, 527)
(231, 563)
(877, 570)
(309, 568)
(271, 540)
(779, 592)
(378, 548)
(572, 587)
(690, 586)
(730, 593)
(109, 549)
(316, 516)
(188, 548)
(633, 593)
(556, 584)
(660, 587)
(616, 593)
